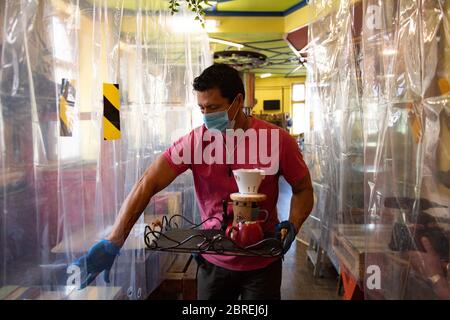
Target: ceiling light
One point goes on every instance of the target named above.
(184, 25)
(209, 5)
(229, 43)
(389, 52)
(265, 75)
(211, 25)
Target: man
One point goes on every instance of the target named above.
(220, 95)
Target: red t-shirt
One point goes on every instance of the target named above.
(264, 146)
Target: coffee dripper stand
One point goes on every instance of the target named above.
(246, 206)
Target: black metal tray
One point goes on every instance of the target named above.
(191, 239)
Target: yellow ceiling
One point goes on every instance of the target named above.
(263, 34)
(221, 5)
(255, 5)
(242, 26)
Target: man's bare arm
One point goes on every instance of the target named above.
(158, 176)
(302, 201)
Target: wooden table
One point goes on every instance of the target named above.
(180, 282)
(354, 245)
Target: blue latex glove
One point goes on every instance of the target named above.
(99, 258)
(290, 236)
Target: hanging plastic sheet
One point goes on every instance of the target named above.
(60, 193)
(406, 105)
(378, 79)
(334, 145)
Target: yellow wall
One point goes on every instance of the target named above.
(235, 24)
(292, 21)
(298, 18)
(275, 88)
(309, 13)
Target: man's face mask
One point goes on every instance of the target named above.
(219, 120)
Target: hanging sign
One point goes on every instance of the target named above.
(111, 111)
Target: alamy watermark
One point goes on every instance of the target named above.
(373, 279)
(253, 146)
(74, 278)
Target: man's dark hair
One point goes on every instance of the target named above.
(222, 77)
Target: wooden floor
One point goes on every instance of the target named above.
(298, 282)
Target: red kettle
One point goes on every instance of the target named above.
(246, 233)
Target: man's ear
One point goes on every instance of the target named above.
(240, 99)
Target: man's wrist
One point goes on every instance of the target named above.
(296, 225)
(115, 240)
(296, 228)
(434, 279)
(440, 285)
(288, 224)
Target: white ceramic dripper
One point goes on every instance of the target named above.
(248, 180)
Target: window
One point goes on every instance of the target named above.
(298, 92)
(66, 148)
(62, 50)
(299, 116)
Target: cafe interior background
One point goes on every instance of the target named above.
(364, 87)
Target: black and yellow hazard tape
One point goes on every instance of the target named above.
(111, 111)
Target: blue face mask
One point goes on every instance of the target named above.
(218, 120)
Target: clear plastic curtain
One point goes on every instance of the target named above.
(378, 148)
(406, 101)
(61, 191)
(334, 143)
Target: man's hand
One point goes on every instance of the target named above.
(426, 263)
(286, 232)
(302, 203)
(99, 258)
